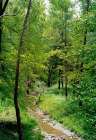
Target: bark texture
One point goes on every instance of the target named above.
(20, 133)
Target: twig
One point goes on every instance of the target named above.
(7, 15)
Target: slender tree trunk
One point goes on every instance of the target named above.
(66, 78)
(28, 84)
(16, 100)
(62, 82)
(1, 58)
(88, 2)
(59, 81)
(17, 74)
(49, 77)
(85, 35)
(0, 34)
(66, 83)
(2, 10)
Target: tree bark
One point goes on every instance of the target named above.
(16, 101)
(59, 81)
(0, 35)
(66, 83)
(1, 4)
(66, 78)
(49, 77)
(2, 10)
(17, 74)
(28, 84)
(62, 82)
(5, 5)
(1, 63)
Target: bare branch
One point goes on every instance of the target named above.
(8, 15)
(5, 5)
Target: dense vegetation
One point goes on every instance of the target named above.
(48, 50)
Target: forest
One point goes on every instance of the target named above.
(47, 70)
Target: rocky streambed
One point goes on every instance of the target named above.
(51, 129)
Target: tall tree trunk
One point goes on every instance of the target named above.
(59, 81)
(66, 83)
(16, 100)
(0, 34)
(49, 77)
(28, 84)
(62, 82)
(0, 25)
(66, 78)
(17, 74)
(2, 10)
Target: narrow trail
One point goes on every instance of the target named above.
(51, 129)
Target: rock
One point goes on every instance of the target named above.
(48, 137)
(63, 133)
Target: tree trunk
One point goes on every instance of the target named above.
(0, 34)
(66, 83)
(66, 78)
(49, 77)
(59, 81)
(62, 82)
(17, 74)
(28, 85)
(2, 10)
(16, 101)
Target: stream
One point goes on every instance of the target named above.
(51, 129)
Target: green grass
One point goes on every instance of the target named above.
(31, 130)
(7, 116)
(68, 113)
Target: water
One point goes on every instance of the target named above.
(51, 129)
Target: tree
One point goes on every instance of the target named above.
(2, 11)
(61, 14)
(17, 73)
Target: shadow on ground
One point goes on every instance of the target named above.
(8, 131)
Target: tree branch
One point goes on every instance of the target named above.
(5, 5)
(7, 15)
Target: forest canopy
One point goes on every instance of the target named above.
(47, 55)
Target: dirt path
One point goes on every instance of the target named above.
(51, 129)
